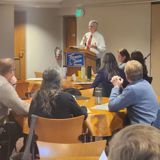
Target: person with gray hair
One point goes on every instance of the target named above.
(51, 102)
(9, 101)
(94, 41)
(135, 142)
(9, 98)
(138, 97)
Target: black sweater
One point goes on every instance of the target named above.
(66, 107)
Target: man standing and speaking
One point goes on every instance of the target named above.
(94, 42)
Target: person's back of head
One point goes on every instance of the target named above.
(136, 142)
(138, 56)
(109, 64)
(6, 65)
(45, 97)
(51, 79)
(133, 70)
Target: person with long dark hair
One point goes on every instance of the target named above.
(138, 56)
(51, 102)
(123, 58)
(108, 69)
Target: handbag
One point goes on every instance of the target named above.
(27, 155)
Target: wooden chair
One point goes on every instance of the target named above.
(74, 150)
(59, 130)
(72, 158)
(38, 74)
(22, 89)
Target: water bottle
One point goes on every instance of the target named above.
(64, 72)
(98, 95)
(89, 72)
(83, 72)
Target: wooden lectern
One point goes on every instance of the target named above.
(75, 58)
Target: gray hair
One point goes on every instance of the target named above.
(93, 22)
(6, 65)
(136, 142)
(133, 70)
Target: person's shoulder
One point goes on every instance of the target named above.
(64, 95)
(2, 80)
(138, 84)
(98, 34)
(87, 33)
(5, 86)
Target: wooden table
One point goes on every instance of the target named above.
(102, 122)
(99, 122)
(35, 83)
(72, 158)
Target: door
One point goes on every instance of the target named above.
(70, 31)
(19, 45)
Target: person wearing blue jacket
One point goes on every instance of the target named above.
(138, 97)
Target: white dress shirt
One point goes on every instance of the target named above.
(97, 40)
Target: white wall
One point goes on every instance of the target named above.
(6, 31)
(123, 26)
(155, 47)
(43, 34)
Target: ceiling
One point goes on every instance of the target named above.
(69, 3)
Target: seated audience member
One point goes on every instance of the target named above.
(135, 142)
(51, 102)
(123, 58)
(138, 56)
(108, 69)
(138, 97)
(9, 100)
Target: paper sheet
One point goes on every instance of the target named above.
(88, 110)
(101, 107)
(34, 79)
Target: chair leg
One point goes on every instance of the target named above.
(9, 149)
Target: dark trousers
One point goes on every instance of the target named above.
(98, 64)
(9, 134)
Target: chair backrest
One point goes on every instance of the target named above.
(57, 150)
(73, 158)
(59, 130)
(38, 74)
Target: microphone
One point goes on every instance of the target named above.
(147, 56)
